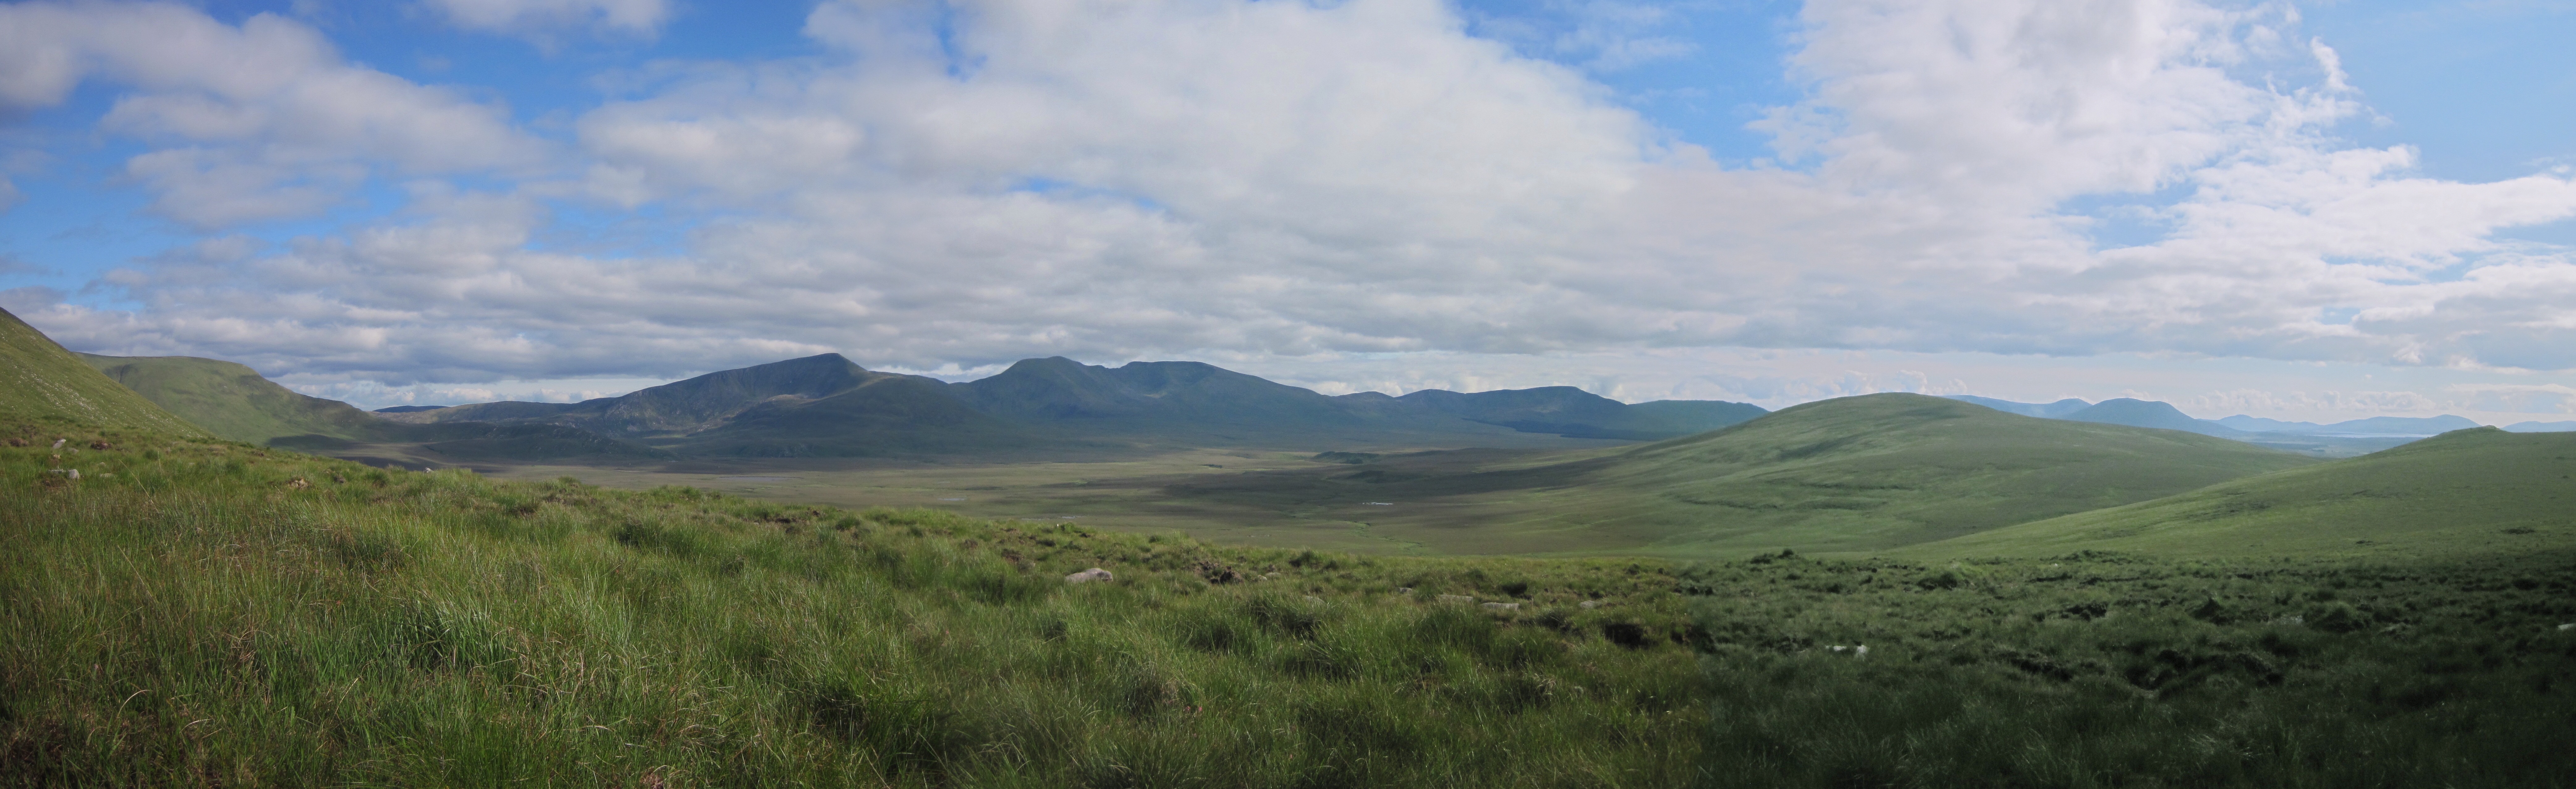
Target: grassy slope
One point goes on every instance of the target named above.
(233, 401)
(42, 383)
(2482, 489)
(1853, 474)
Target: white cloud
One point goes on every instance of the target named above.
(1267, 181)
(638, 17)
(260, 121)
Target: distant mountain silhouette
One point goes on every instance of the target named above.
(825, 406)
(2359, 436)
(2149, 413)
(2373, 426)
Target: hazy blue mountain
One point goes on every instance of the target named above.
(405, 409)
(2542, 427)
(2149, 413)
(2256, 424)
(2042, 410)
(2373, 426)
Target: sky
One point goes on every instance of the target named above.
(2308, 211)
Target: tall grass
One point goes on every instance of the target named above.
(191, 613)
(194, 615)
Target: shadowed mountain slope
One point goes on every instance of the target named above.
(41, 382)
(1574, 413)
(677, 408)
(1204, 403)
(1856, 473)
(817, 406)
(2479, 489)
(235, 402)
(1147, 394)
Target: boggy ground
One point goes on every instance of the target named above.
(199, 613)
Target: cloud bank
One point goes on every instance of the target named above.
(959, 184)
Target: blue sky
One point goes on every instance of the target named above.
(2309, 211)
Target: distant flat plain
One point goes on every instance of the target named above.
(1126, 494)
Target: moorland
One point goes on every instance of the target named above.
(1880, 591)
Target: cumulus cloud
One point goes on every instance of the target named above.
(957, 185)
(639, 17)
(256, 122)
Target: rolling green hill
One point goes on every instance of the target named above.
(1852, 474)
(233, 401)
(2469, 490)
(40, 382)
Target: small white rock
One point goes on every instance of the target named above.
(2568, 626)
(1087, 576)
(1456, 598)
(1315, 600)
(1591, 604)
(1860, 651)
(1503, 606)
(58, 443)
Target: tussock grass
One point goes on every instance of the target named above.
(187, 613)
(2119, 670)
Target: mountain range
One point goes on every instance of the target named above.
(827, 406)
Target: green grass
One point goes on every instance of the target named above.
(2110, 670)
(2482, 490)
(233, 402)
(187, 613)
(42, 383)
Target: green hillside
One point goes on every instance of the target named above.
(1852, 474)
(42, 383)
(2470, 490)
(234, 401)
